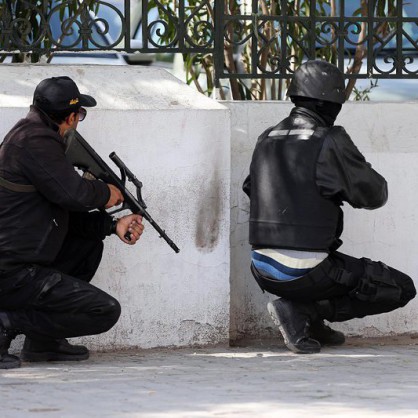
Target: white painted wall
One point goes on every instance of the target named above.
(192, 155)
(386, 133)
(177, 142)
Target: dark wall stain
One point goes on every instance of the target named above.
(208, 217)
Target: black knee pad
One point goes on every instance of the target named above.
(378, 284)
(112, 309)
(408, 289)
(109, 313)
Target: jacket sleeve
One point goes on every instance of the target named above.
(343, 174)
(95, 224)
(46, 167)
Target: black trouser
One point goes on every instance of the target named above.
(345, 287)
(57, 301)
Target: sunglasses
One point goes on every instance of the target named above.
(82, 113)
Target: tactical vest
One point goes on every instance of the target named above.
(287, 210)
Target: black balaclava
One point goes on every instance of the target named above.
(327, 110)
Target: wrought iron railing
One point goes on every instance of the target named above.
(183, 28)
(388, 44)
(70, 25)
(246, 43)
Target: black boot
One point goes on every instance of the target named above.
(294, 320)
(326, 335)
(54, 350)
(7, 361)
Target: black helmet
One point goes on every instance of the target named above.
(319, 80)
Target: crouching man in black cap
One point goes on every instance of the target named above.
(302, 170)
(51, 238)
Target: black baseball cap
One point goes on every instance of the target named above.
(58, 94)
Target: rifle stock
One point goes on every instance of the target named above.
(83, 156)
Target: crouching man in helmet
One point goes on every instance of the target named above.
(302, 170)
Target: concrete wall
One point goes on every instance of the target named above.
(176, 141)
(192, 155)
(386, 134)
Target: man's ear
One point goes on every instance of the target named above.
(69, 120)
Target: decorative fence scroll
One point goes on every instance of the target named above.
(248, 39)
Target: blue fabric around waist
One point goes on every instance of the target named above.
(273, 269)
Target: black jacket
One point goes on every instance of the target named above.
(301, 172)
(34, 224)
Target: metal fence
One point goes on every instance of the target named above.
(245, 41)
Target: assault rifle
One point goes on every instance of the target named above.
(84, 157)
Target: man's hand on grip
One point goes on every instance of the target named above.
(133, 225)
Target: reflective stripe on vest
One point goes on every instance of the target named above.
(302, 134)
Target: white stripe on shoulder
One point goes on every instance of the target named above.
(303, 133)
